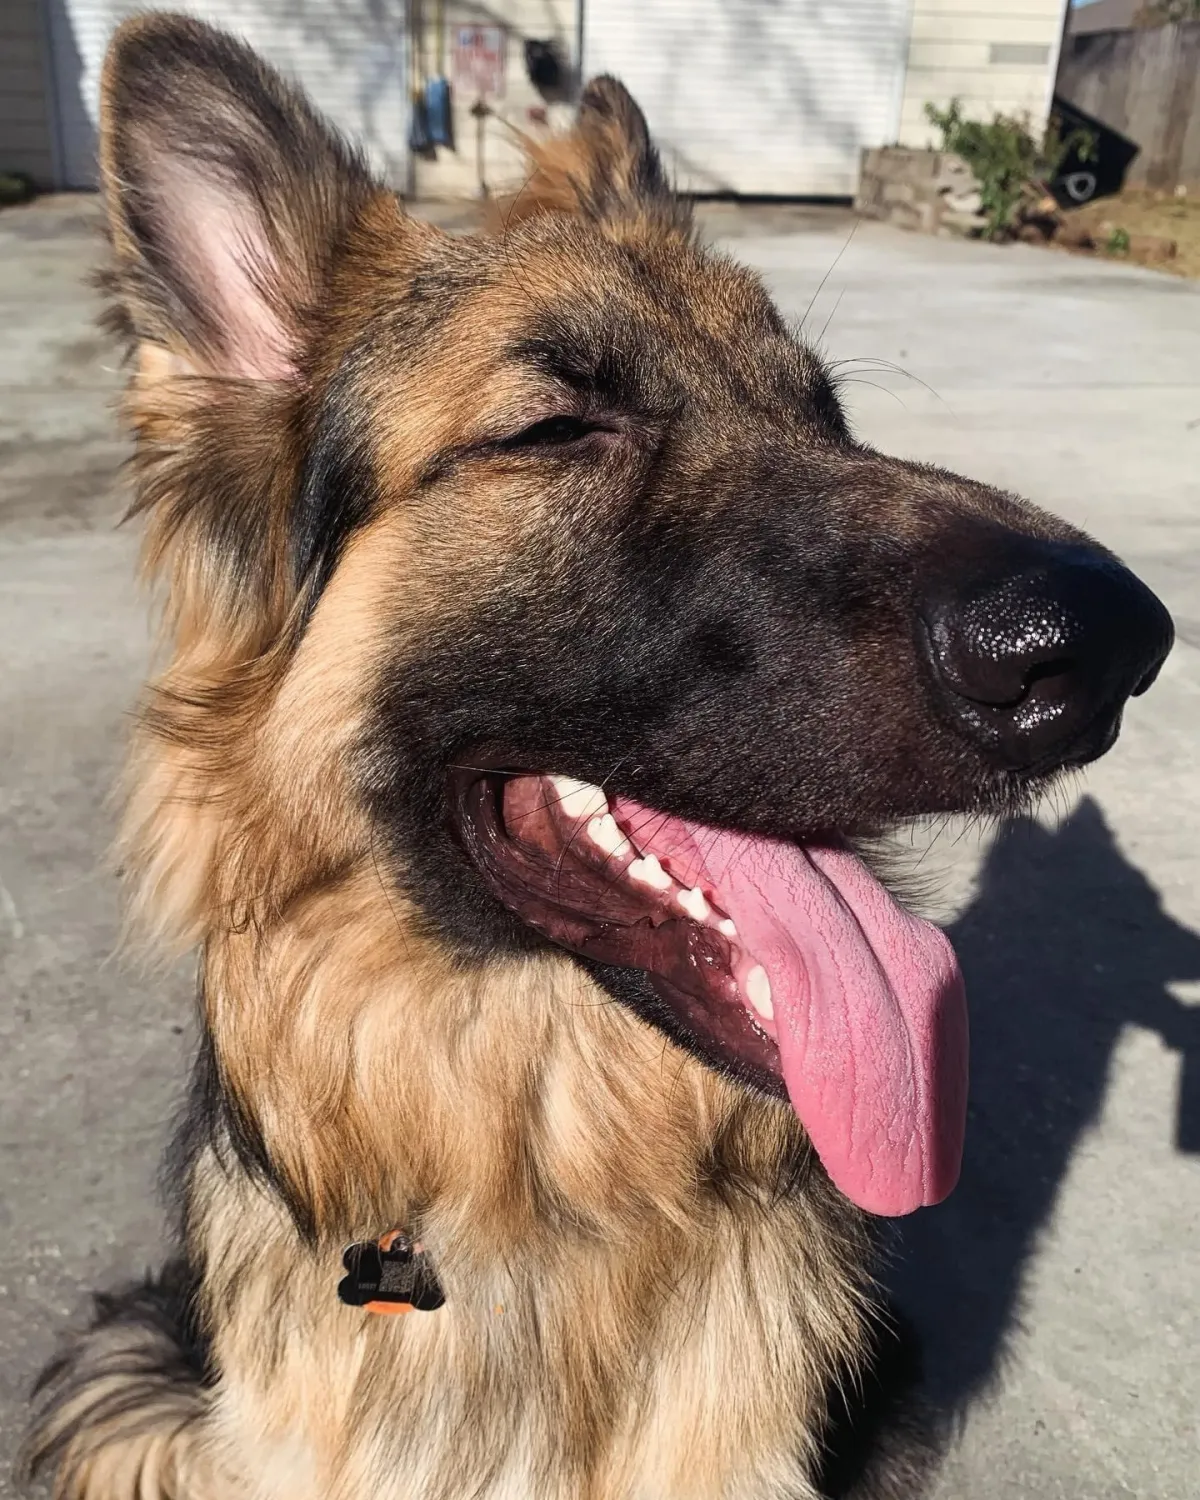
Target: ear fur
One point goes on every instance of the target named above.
(230, 203)
(227, 198)
(607, 168)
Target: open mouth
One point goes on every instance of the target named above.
(788, 963)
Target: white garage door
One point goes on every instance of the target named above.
(758, 96)
(349, 56)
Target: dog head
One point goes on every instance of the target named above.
(543, 569)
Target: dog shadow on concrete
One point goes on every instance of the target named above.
(1065, 944)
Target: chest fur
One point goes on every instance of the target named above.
(676, 1365)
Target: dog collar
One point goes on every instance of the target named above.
(390, 1275)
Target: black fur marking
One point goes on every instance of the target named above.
(339, 490)
(723, 647)
(590, 365)
(622, 703)
(214, 1119)
(798, 1169)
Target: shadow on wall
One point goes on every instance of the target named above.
(74, 132)
(1065, 944)
(349, 54)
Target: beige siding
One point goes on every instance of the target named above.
(997, 10)
(933, 25)
(995, 57)
(26, 143)
(455, 173)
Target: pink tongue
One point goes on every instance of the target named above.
(869, 1005)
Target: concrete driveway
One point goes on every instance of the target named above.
(1060, 1287)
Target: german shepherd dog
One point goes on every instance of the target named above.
(540, 645)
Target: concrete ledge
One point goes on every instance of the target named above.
(934, 192)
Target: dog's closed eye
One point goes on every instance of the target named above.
(554, 432)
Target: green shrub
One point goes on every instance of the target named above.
(1006, 159)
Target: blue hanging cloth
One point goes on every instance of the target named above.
(439, 119)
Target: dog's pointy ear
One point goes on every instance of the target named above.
(607, 168)
(227, 197)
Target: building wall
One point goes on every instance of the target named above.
(994, 55)
(455, 173)
(26, 141)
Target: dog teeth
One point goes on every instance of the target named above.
(579, 799)
(603, 831)
(694, 904)
(582, 800)
(758, 992)
(649, 872)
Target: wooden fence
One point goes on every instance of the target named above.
(1146, 84)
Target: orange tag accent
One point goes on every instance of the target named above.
(388, 1309)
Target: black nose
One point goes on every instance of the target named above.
(1036, 658)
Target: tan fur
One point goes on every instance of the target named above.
(599, 1299)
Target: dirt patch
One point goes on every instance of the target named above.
(1138, 225)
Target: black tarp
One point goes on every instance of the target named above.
(1097, 173)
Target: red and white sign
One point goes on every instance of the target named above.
(479, 61)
